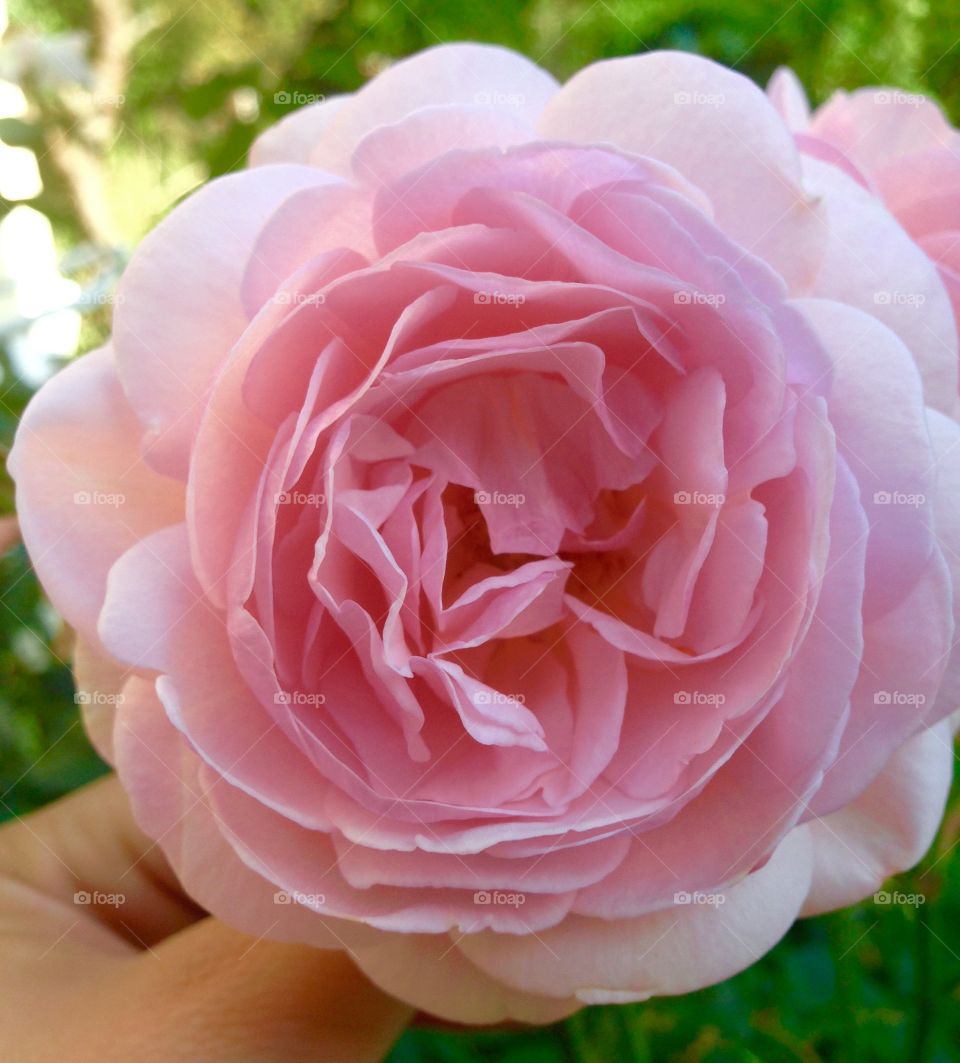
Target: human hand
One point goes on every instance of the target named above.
(132, 969)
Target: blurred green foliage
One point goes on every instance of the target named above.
(198, 82)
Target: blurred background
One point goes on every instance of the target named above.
(112, 110)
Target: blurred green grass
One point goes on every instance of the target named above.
(875, 983)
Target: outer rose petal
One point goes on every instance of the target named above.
(945, 437)
(887, 829)
(181, 635)
(448, 985)
(871, 263)
(160, 775)
(675, 950)
(788, 96)
(179, 307)
(876, 126)
(391, 150)
(448, 74)
(718, 129)
(876, 409)
(295, 137)
(84, 494)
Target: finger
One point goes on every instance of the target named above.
(86, 850)
(212, 993)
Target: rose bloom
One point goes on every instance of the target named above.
(899, 146)
(508, 539)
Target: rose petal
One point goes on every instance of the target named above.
(887, 829)
(676, 950)
(84, 494)
(446, 74)
(179, 309)
(718, 129)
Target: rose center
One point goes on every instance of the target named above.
(594, 575)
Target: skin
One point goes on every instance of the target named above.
(155, 978)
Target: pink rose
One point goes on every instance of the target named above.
(900, 147)
(519, 548)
